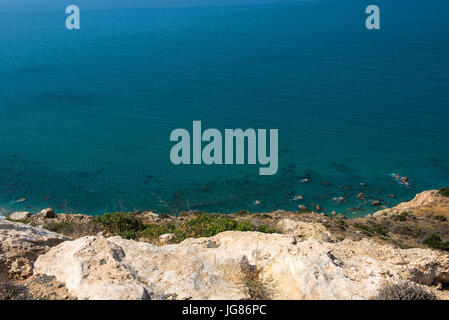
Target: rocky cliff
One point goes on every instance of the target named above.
(311, 256)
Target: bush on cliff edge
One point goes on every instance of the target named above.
(128, 226)
(444, 192)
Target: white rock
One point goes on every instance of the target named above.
(423, 199)
(114, 268)
(305, 229)
(21, 244)
(20, 215)
(48, 213)
(167, 238)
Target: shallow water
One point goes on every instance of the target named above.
(86, 115)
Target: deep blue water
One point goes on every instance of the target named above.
(85, 116)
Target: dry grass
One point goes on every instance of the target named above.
(8, 290)
(404, 291)
(253, 285)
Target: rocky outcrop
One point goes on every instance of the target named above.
(21, 244)
(209, 268)
(305, 230)
(48, 213)
(421, 200)
(20, 215)
(314, 257)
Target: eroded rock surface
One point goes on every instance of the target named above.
(21, 244)
(95, 267)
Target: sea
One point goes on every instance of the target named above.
(86, 115)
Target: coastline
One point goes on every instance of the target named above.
(358, 257)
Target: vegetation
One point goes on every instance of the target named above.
(73, 229)
(401, 217)
(122, 224)
(253, 285)
(371, 230)
(444, 192)
(129, 226)
(434, 241)
(25, 221)
(8, 290)
(440, 218)
(404, 291)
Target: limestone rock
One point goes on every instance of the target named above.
(421, 200)
(21, 244)
(113, 268)
(305, 230)
(167, 238)
(48, 213)
(20, 215)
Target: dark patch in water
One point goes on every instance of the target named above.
(437, 163)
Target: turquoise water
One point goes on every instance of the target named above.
(85, 116)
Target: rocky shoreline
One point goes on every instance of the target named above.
(274, 255)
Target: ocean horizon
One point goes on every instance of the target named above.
(86, 115)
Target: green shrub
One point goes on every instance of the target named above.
(245, 226)
(371, 230)
(440, 218)
(60, 227)
(208, 225)
(123, 224)
(444, 192)
(24, 221)
(434, 241)
(264, 229)
(404, 291)
(243, 212)
(154, 231)
(74, 229)
(129, 226)
(401, 217)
